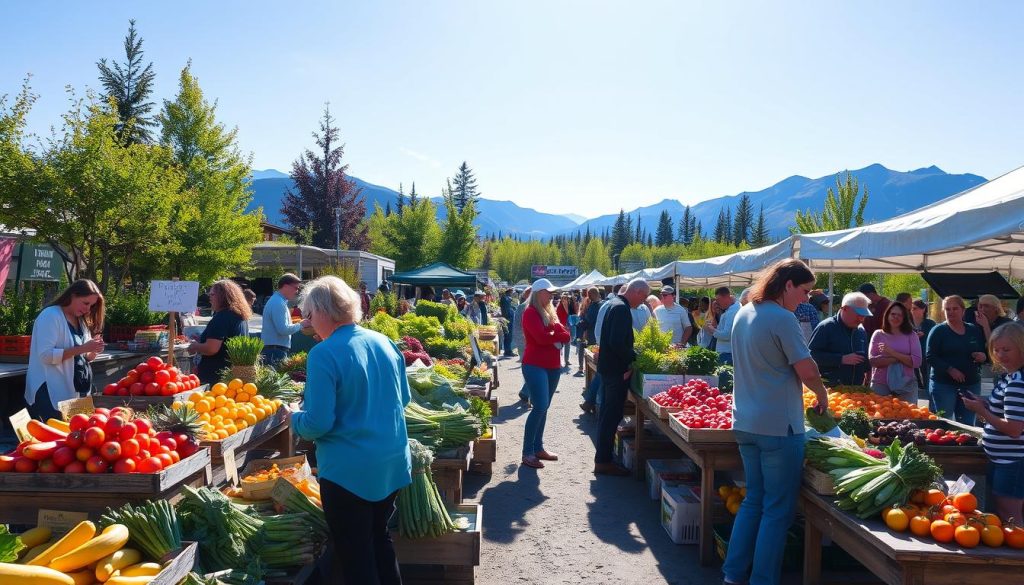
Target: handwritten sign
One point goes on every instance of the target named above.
(173, 295)
(230, 466)
(69, 408)
(476, 350)
(19, 422)
(59, 521)
(39, 262)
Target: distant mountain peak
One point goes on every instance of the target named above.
(574, 217)
(268, 174)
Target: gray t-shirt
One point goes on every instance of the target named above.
(768, 395)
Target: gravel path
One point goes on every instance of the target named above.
(563, 524)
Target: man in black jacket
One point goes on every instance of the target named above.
(839, 344)
(614, 363)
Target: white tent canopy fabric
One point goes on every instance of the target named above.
(585, 280)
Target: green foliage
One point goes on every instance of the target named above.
(383, 301)
(443, 312)
(458, 246)
(648, 361)
(441, 348)
(18, 311)
(411, 237)
(840, 212)
(421, 328)
(458, 329)
(651, 337)
(344, 270)
(384, 324)
(725, 375)
(481, 409)
(673, 362)
(10, 545)
(701, 361)
(243, 350)
(131, 308)
(130, 87)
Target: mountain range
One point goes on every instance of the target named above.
(890, 193)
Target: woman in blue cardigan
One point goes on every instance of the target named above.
(65, 338)
(354, 411)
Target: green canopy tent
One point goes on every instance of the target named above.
(437, 274)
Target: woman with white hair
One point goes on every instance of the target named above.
(353, 410)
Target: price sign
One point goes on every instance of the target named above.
(477, 357)
(59, 521)
(173, 295)
(230, 467)
(19, 422)
(69, 408)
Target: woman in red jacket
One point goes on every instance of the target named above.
(542, 366)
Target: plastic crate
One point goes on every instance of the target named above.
(670, 471)
(792, 556)
(680, 514)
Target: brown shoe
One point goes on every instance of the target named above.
(533, 462)
(610, 469)
(588, 407)
(547, 456)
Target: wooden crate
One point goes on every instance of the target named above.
(22, 495)
(142, 403)
(486, 449)
(701, 435)
(819, 481)
(660, 411)
(181, 563)
(247, 437)
(455, 549)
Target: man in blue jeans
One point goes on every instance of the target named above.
(508, 313)
(615, 364)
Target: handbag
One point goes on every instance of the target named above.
(896, 378)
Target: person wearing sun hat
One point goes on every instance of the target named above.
(839, 344)
(542, 368)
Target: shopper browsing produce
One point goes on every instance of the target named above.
(955, 351)
(277, 321)
(542, 368)
(772, 366)
(65, 338)
(356, 392)
(894, 354)
(1003, 415)
(230, 317)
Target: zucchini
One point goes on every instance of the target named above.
(11, 574)
(78, 536)
(109, 541)
(118, 560)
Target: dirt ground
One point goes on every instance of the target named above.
(563, 524)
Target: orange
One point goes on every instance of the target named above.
(242, 396)
(195, 397)
(250, 388)
(942, 531)
(219, 401)
(202, 406)
(965, 502)
(218, 389)
(934, 497)
(920, 525)
(235, 384)
(992, 535)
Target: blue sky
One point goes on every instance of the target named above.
(570, 107)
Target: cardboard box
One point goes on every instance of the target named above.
(261, 490)
(668, 472)
(680, 514)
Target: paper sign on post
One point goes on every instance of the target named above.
(173, 295)
(59, 521)
(19, 422)
(230, 467)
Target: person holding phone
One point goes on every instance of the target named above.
(955, 351)
(65, 339)
(1003, 417)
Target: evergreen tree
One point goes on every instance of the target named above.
(638, 236)
(728, 225)
(212, 233)
(130, 86)
(320, 187)
(721, 232)
(387, 210)
(698, 231)
(465, 191)
(400, 206)
(760, 237)
(458, 246)
(488, 258)
(686, 227)
(665, 236)
(841, 211)
(650, 241)
(413, 198)
(620, 234)
(586, 236)
(744, 221)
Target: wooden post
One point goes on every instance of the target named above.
(172, 332)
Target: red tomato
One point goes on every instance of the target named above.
(127, 432)
(147, 377)
(103, 411)
(7, 463)
(136, 389)
(162, 377)
(169, 442)
(96, 464)
(123, 383)
(48, 466)
(131, 377)
(94, 437)
(165, 459)
(150, 465)
(83, 454)
(141, 368)
(111, 451)
(143, 425)
(143, 454)
(114, 426)
(126, 465)
(122, 412)
(75, 439)
(155, 363)
(78, 422)
(123, 391)
(151, 389)
(175, 374)
(98, 420)
(24, 465)
(169, 389)
(174, 457)
(181, 439)
(110, 390)
(75, 467)
(130, 448)
(154, 445)
(63, 456)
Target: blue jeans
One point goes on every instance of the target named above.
(541, 384)
(773, 469)
(273, 356)
(943, 397)
(593, 392)
(507, 339)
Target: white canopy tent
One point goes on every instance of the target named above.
(584, 281)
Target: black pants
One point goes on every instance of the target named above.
(41, 409)
(615, 389)
(364, 553)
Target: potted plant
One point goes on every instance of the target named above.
(17, 314)
(127, 313)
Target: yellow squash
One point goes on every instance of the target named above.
(59, 424)
(142, 570)
(11, 574)
(116, 561)
(78, 536)
(108, 542)
(83, 577)
(119, 580)
(35, 551)
(36, 536)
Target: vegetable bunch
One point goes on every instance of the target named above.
(223, 529)
(154, 526)
(454, 427)
(421, 511)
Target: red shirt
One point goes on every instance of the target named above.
(563, 315)
(541, 340)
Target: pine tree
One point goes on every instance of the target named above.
(650, 241)
(686, 227)
(320, 187)
(400, 206)
(620, 234)
(698, 231)
(721, 232)
(744, 221)
(639, 236)
(458, 246)
(665, 235)
(587, 236)
(465, 191)
(760, 237)
(413, 197)
(130, 86)
(387, 210)
(728, 225)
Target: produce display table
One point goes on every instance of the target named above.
(899, 559)
(273, 432)
(589, 367)
(448, 472)
(446, 559)
(22, 495)
(485, 453)
(709, 457)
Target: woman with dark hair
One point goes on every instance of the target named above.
(65, 338)
(955, 351)
(230, 318)
(772, 365)
(894, 353)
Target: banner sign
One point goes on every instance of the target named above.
(549, 272)
(39, 262)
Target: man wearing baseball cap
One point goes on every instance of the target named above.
(839, 344)
(277, 321)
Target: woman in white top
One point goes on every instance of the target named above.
(65, 338)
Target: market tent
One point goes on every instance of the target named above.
(978, 230)
(584, 280)
(618, 280)
(436, 274)
(737, 269)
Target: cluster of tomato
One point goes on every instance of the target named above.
(949, 519)
(944, 437)
(107, 441)
(152, 377)
(702, 406)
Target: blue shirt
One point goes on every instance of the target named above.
(354, 409)
(724, 331)
(277, 322)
